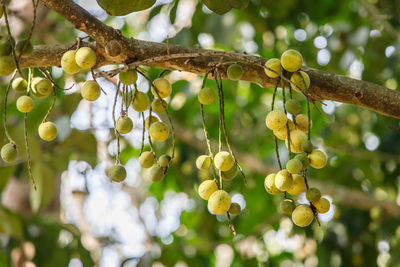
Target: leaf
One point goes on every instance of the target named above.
(124, 7)
(218, 6)
(45, 183)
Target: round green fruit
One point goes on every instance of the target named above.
(291, 60)
(146, 159)
(322, 205)
(287, 206)
(276, 120)
(164, 161)
(159, 131)
(294, 166)
(128, 77)
(206, 96)
(301, 81)
(203, 162)
(124, 124)
(19, 85)
(234, 72)
(163, 86)
(90, 90)
(223, 161)
(219, 202)
(307, 146)
(152, 120)
(313, 194)
(141, 102)
(7, 65)
(85, 57)
(304, 160)
(302, 216)
(47, 131)
(68, 63)
(5, 48)
(235, 209)
(283, 180)
(9, 152)
(207, 188)
(293, 106)
(317, 159)
(158, 105)
(275, 65)
(117, 173)
(41, 87)
(297, 186)
(229, 174)
(25, 104)
(269, 184)
(156, 173)
(24, 47)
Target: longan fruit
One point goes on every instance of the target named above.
(297, 186)
(19, 85)
(128, 77)
(269, 184)
(158, 105)
(234, 72)
(283, 180)
(148, 122)
(302, 216)
(317, 159)
(281, 133)
(307, 146)
(163, 161)
(156, 173)
(9, 152)
(297, 79)
(207, 188)
(297, 137)
(291, 60)
(5, 47)
(313, 194)
(235, 209)
(47, 131)
(293, 106)
(206, 96)
(223, 161)
(203, 162)
(273, 64)
(322, 205)
(276, 119)
(219, 202)
(302, 122)
(124, 124)
(229, 174)
(304, 160)
(146, 159)
(41, 87)
(85, 57)
(90, 90)
(141, 101)
(163, 86)
(294, 166)
(287, 206)
(159, 131)
(117, 173)
(25, 104)
(24, 44)
(113, 48)
(68, 63)
(7, 65)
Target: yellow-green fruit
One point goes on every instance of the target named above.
(158, 105)
(207, 188)
(375, 213)
(163, 86)
(219, 202)
(302, 122)
(147, 123)
(90, 90)
(297, 137)
(297, 79)
(117, 173)
(269, 184)
(146, 159)
(124, 124)
(223, 160)
(5, 47)
(234, 72)
(294, 166)
(7, 65)
(302, 216)
(19, 85)
(85, 57)
(206, 96)
(41, 87)
(281, 133)
(229, 174)
(287, 206)
(203, 162)
(275, 65)
(68, 63)
(283, 180)
(317, 159)
(24, 104)
(156, 173)
(307, 146)
(24, 45)
(47, 131)
(128, 77)
(291, 60)
(141, 102)
(276, 120)
(164, 161)
(304, 160)
(159, 131)
(297, 186)
(9, 152)
(235, 209)
(293, 106)
(322, 205)
(313, 194)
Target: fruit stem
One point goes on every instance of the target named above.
(284, 108)
(115, 123)
(5, 109)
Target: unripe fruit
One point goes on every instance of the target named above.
(313, 194)
(317, 159)
(5, 48)
(219, 202)
(90, 90)
(164, 161)
(7, 65)
(19, 85)
(9, 152)
(223, 161)
(158, 105)
(156, 173)
(68, 63)
(229, 174)
(307, 146)
(287, 206)
(124, 124)
(302, 216)
(291, 60)
(117, 173)
(41, 87)
(24, 44)
(147, 123)
(235, 209)
(206, 96)
(283, 180)
(163, 87)
(273, 64)
(47, 131)
(293, 106)
(294, 166)
(322, 205)
(304, 160)
(146, 159)
(159, 131)
(141, 101)
(302, 122)
(207, 188)
(297, 137)
(281, 133)
(128, 77)
(375, 213)
(25, 104)
(203, 162)
(269, 184)
(297, 186)
(234, 72)
(297, 79)
(113, 48)
(85, 57)
(276, 120)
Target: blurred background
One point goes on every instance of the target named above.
(77, 217)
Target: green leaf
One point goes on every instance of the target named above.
(45, 186)
(124, 7)
(220, 7)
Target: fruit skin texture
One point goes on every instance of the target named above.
(206, 96)
(219, 202)
(322, 205)
(159, 131)
(146, 160)
(163, 86)
(307, 146)
(304, 160)
(203, 162)
(9, 152)
(297, 186)
(281, 133)
(90, 90)
(283, 180)
(274, 64)
(47, 131)
(297, 78)
(291, 60)
(156, 173)
(41, 87)
(141, 102)
(297, 137)
(302, 216)
(7, 65)
(235, 209)
(85, 57)
(313, 194)
(164, 161)
(302, 122)
(207, 188)
(128, 77)
(5, 47)
(158, 105)
(124, 124)
(269, 184)
(293, 106)
(294, 166)
(117, 173)
(234, 72)
(317, 159)
(229, 174)
(25, 104)
(276, 120)
(19, 85)
(68, 63)
(152, 120)
(223, 160)
(287, 206)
